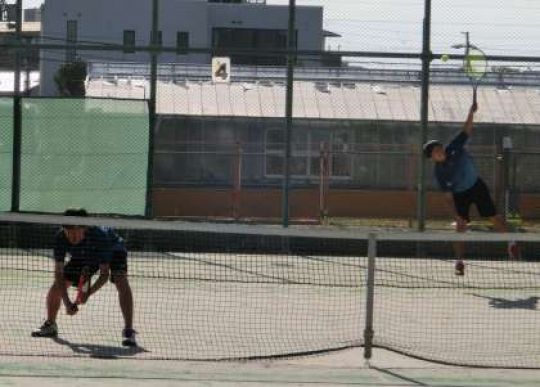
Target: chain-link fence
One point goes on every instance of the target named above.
(370, 81)
(6, 156)
(74, 152)
(329, 179)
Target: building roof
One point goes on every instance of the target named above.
(7, 81)
(26, 28)
(329, 100)
(330, 34)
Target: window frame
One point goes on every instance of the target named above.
(309, 152)
(129, 41)
(72, 31)
(182, 49)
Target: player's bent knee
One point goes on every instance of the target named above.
(122, 286)
(58, 286)
(119, 278)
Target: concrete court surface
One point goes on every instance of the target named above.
(343, 368)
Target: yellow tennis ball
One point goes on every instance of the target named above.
(445, 57)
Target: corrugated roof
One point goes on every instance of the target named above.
(334, 100)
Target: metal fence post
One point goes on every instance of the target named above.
(324, 181)
(152, 108)
(237, 181)
(426, 60)
(509, 208)
(370, 295)
(291, 59)
(17, 115)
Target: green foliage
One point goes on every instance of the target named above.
(514, 220)
(70, 79)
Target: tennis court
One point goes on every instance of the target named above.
(323, 115)
(202, 294)
(343, 368)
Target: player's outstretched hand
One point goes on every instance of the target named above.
(71, 309)
(474, 107)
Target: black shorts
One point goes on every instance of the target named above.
(479, 195)
(73, 269)
(119, 264)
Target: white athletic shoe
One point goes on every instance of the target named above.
(459, 269)
(48, 329)
(128, 337)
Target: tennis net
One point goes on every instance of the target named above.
(221, 292)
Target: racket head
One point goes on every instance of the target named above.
(475, 64)
(84, 284)
(475, 67)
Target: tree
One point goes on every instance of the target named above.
(70, 79)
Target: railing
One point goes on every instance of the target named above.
(179, 71)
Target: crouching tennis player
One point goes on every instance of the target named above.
(97, 249)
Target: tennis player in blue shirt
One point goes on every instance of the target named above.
(457, 176)
(97, 249)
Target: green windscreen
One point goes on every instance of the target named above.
(90, 153)
(6, 149)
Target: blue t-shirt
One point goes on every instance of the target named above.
(97, 247)
(458, 172)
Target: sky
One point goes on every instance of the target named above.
(499, 27)
(29, 3)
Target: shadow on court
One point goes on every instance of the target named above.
(530, 303)
(399, 376)
(100, 351)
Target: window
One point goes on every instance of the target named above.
(182, 42)
(225, 39)
(129, 41)
(275, 145)
(159, 38)
(306, 153)
(71, 37)
(340, 161)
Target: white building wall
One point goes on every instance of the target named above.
(308, 20)
(106, 20)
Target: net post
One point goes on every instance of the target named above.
(370, 295)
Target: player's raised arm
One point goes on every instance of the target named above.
(469, 122)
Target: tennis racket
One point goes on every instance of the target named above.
(475, 66)
(83, 286)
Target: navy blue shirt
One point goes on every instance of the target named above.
(458, 172)
(97, 247)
